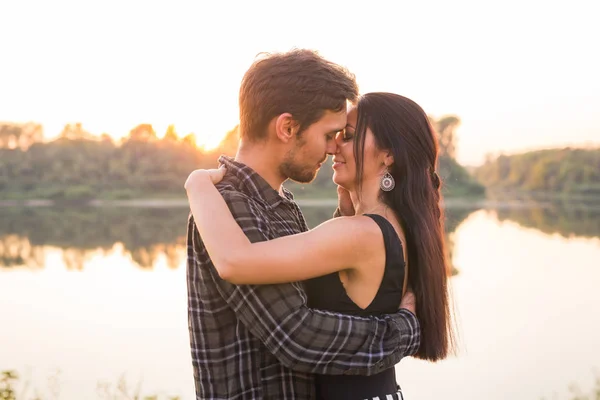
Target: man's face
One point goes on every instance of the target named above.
(312, 146)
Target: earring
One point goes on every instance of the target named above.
(387, 183)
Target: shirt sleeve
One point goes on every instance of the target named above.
(303, 339)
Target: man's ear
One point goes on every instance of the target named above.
(285, 127)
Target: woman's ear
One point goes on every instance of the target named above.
(285, 127)
(388, 159)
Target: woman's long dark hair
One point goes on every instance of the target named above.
(400, 126)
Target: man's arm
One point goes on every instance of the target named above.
(305, 339)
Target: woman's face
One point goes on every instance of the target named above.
(344, 165)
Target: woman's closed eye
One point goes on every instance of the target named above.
(347, 135)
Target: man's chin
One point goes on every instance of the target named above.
(304, 178)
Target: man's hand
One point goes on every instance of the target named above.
(409, 302)
(345, 202)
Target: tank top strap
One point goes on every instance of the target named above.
(387, 229)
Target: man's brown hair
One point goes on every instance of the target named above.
(299, 82)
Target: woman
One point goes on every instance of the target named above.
(360, 264)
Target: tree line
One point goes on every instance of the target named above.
(569, 171)
(79, 166)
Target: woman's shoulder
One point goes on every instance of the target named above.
(362, 228)
(371, 229)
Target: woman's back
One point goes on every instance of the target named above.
(328, 293)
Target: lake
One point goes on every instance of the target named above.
(93, 302)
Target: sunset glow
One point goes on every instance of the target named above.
(117, 130)
(520, 76)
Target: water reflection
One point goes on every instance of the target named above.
(144, 233)
(453, 218)
(118, 318)
(147, 233)
(567, 219)
(16, 250)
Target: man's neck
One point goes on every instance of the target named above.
(257, 158)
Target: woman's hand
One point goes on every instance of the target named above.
(200, 176)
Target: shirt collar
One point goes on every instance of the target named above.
(255, 185)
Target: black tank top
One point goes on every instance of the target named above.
(327, 293)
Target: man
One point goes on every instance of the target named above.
(262, 342)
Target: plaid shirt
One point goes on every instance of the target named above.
(261, 341)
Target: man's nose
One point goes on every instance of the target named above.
(332, 147)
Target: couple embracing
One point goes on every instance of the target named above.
(280, 311)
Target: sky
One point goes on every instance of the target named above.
(519, 74)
